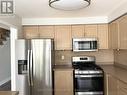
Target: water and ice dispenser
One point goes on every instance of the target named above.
(22, 66)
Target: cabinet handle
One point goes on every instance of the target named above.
(28, 67)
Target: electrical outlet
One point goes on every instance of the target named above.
(62, 57)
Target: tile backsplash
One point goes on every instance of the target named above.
(64, 57)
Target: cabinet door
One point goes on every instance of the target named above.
(123, 32)
(103, 36)
(30, 32)
(77, 31)
(63, 84)
(113, 31)
(115, 35)
(63, 40)
(90, 30)
(122, 88)
(46, 31)
(110, 36)
(112, 85)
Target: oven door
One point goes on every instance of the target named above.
(89, 84)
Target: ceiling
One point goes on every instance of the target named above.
(41, 9)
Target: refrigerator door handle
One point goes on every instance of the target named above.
(31, 67)
(28, 66)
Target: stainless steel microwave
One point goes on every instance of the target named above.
(85, 44)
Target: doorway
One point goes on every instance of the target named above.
(5, 60)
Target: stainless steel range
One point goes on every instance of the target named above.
(88, 77)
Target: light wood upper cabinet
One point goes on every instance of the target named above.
(63, 82)
(118, 33)
(46, 31)
(63, 34)
(63, 40)
(103, 36)
(90, 30)
(78, 31)
(100, 31)
(30, 32)
(123, 32)
(113, 35)
(109, 36)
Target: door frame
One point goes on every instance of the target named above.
(13, 36)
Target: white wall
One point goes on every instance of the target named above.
(14, 24)
(5, 63)
(12, 21)
(118, 11)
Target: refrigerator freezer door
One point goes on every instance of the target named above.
(22, 84)
(42, 70)
(21, 49)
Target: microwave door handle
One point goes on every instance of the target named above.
(28, 67)
(91, 44)
(31, 67)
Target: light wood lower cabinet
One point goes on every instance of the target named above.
(122, 88)
(112, 85)
(115, 86)
(63, 82)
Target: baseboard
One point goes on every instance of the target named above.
(5, 81)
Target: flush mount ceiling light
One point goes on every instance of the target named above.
(69, 4)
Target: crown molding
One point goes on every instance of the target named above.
(64, 21)
(118, 11)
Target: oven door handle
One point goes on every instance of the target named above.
(87, 76)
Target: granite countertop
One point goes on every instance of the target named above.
(9, 92)
(69, 66)
(116, 71)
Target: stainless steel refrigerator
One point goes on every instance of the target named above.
(39, 54)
